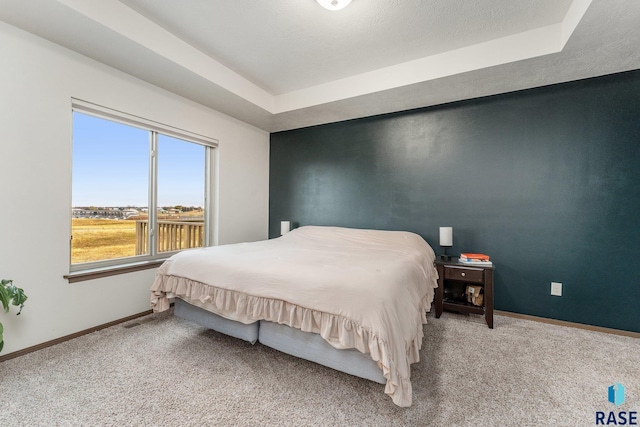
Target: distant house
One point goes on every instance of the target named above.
(130, 212)
(104, 213)
(80, 213)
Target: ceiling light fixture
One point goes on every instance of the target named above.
(334, 4)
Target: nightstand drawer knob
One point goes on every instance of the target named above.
(463, 274)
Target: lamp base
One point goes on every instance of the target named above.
(445, 257)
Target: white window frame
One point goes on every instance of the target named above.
(154, 128)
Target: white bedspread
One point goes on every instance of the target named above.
(363, 289)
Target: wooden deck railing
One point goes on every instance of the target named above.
(171, 235)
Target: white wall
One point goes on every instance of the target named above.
(37, 81)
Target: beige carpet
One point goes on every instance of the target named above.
(166, 371)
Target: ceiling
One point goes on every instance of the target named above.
(285, 64)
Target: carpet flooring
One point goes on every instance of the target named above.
(160, 370)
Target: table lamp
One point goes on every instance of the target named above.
(285, 227)
(446, 241)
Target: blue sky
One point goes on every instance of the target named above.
(111, 166)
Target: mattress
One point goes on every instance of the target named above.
(313, 347)
(367, 290)
(305, 345)
(246, 332)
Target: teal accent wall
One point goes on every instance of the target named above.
(546, 181)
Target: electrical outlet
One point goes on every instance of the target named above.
(556, 289)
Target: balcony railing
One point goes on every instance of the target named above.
(171, 235)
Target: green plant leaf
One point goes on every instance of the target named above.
(17, 295)
(5, 296)
(9, 293)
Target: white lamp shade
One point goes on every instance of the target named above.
(334, 4)
(285, 227)
(446, 236)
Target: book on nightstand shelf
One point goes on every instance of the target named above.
(475, 259)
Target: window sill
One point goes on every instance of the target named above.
(96, 273)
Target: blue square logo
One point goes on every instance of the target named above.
(616, 394)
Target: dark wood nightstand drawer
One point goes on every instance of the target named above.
(473, 275)
(453, 276)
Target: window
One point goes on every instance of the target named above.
(140, 189)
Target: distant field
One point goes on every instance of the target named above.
(99, 239)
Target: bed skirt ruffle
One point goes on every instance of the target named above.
(339, 332)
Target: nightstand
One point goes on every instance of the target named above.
(453, 277)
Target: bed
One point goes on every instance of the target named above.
(354, 300)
